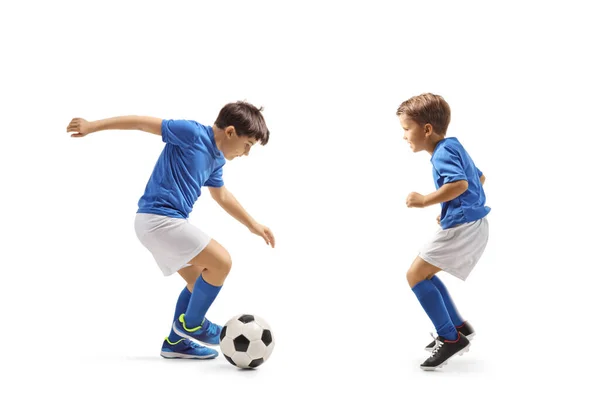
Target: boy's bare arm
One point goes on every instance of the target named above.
(232, 206)
(447, 192)
(481, 179)
(81, 127)
(229, 203)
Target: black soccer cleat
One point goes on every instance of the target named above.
(444, 350)
(466, 329)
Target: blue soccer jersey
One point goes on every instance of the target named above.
(189, 161)
(452, 163)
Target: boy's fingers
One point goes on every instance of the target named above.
(269, 239)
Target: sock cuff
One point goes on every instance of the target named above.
(424, 287)
(205, 286)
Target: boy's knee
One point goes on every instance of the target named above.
(226, 263)
(413, 277)
(410, 277)
(215, 259)
(221, 263)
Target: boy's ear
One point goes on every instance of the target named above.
(230, 131)
(428, 129)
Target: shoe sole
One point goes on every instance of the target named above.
(460, 353)
(470, 337)
(193, 339)
(170, 354)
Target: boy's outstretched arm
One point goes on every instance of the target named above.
(80, 127)
(447, 192)
(229, 203)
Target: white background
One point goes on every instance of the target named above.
(84, 308)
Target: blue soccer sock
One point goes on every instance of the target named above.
(431, 300)
(202, 298)
(457, 320)
(180, 307)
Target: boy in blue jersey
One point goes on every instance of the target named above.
(462, 238)
(193, 157)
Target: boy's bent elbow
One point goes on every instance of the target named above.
(459, 187)
(462, 185)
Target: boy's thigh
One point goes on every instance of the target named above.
(457, 250)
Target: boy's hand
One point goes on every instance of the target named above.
(80, 126)
(264, 233)
(439, 219)
(415, 199)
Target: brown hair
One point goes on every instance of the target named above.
(427, 108)
(246, 119)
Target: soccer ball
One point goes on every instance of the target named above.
(246, 341)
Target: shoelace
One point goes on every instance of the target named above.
(193, 344)
(211, 328)
(438, 344)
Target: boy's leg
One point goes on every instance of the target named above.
(180, 307)
(460, 324)
(204, 277)
(450, 341)
(174, 346)
(430, 298)
(457, 320)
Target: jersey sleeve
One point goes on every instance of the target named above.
(215, 179)
(181, 133)
(450, 167)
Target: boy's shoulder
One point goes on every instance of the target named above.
(447, 147)
(453, 143)
(185, 122)
(198, 128)
(187, 133)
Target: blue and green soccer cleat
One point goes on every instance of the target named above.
(185, 348)
(206, 333)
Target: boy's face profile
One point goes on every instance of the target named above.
(236, 146)
(414, 133)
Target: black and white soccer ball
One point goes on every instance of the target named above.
(247, 341)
